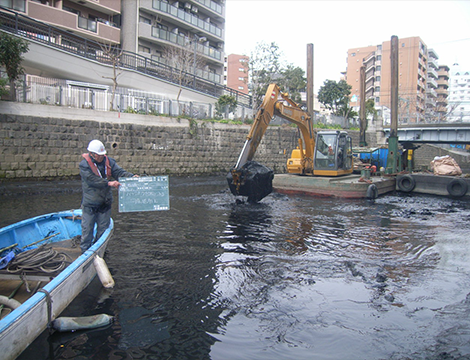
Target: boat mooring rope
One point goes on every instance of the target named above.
(42, 259)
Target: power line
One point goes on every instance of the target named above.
(451, 41)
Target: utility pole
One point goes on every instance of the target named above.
(310, 91)
(393, 139)
(362, 108)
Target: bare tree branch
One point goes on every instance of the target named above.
(114, 54)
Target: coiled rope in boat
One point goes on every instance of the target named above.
(42, 259)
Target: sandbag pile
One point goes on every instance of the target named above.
(445, 165)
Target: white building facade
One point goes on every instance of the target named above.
(459, 94)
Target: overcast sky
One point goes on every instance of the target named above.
(335, 26)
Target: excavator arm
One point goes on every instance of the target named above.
(251, 179)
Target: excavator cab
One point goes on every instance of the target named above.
(333, 154)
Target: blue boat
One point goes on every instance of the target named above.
(51, 290)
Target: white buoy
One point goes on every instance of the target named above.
(79, 323)
(103, 272)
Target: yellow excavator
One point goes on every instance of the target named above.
(322, 153)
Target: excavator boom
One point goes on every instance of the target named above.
(248, 178)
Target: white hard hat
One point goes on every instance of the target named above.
(97, 147)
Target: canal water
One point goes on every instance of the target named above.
(291, 277)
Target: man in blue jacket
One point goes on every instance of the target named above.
(97, 172)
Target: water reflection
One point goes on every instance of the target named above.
(291, 277)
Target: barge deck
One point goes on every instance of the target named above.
(349, 186)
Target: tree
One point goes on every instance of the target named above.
(370, 108)
(335, 96)
(185, 60)
(225, 104)
(114, 54)
(11, 51)
(3, 87)
(266, 68)
(293, 81)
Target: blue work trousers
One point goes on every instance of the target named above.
(90, 217)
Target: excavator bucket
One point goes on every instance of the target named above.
(253, 180)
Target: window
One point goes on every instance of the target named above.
(377, 78)
(379, 57)
(378, 68)
(241, 69)
(241, 88)
(241, 78)
(69, 9)
(144, 49)
(379, 47)
(145, 20)
(18, 5)
(353, 54)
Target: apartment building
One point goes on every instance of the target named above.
(442, 108)
(417, 88)
(236, 72)
(459, 94)
(98, 20)
(431, 114)
(188, 35)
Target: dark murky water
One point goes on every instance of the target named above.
(288, 278)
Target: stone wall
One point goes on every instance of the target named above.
(42, 147)
(426, 153)
(39, 141)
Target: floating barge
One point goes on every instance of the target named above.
(453, 186)
(349, 186)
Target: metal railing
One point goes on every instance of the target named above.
(47, 35)
(74, 94)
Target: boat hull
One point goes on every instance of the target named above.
(24, 324)
(349, 186)
(441, 185)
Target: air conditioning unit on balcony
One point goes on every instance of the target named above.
(187, 6)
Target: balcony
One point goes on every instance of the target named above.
(152, 33)
(432, 83)
(432, 73)
(91, 29)
(212, 5)
(431, 93)
(187, 18)
(432, 54)
(370, 85)
(432, 63)
(109, 7)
